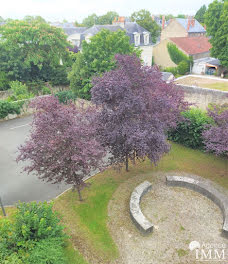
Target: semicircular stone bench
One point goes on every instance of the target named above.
(137, 216)
(206, 189)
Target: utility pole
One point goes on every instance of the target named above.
(3, 209)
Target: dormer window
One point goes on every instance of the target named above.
(137, 38)
(146, 38)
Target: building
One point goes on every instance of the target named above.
(182, 27)
(138, 36)
(196, 47)
(207, 65)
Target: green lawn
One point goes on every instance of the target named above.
(86, 221)
(222, 86)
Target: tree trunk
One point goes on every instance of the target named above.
(79, 193)
(134, 157)
(126, 162)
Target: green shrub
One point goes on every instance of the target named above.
(4, 81)
(59, 76)
(34, 221)
(189, 131)
(7, 108)
(173, 70)
(175, 54)
(183, 67)
(47, 251)
(20, 91)
(45, 90)
(65, 96)
(33, 235)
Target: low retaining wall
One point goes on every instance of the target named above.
(202, 97)
(136, 214)
(205, 189)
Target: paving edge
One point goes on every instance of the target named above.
(205, 188)
(136, 214)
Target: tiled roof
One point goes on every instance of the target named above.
(192, 45)
(74, 30)
(196, 28)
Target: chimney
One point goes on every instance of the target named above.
(191, 22)
(120, 21)
(163, 22)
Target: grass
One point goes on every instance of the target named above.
(86, 221)
(181, 252)
(205, 83)
(72, 255)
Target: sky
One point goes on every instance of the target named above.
(71, 10)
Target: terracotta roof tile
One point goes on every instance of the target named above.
(192, 45)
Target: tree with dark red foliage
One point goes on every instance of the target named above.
(62, 145)
(216, 136)
(137, 108)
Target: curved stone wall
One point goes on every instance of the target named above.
(136, 214)
(207, 190)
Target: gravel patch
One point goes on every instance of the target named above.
(179, 215)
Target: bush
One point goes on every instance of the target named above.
(173, 70)
(47, 251)
(20, 91)
(65, 96)
(189, 131)
(34, 235)
(4, 82)
(45, 90)
(183, 67)
(7, 108)
(216, 137)
(175, 54)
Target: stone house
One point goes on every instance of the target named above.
(138, 36)
(196, 47)
(181, 27)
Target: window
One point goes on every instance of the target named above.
(137, 39)
(146, 38)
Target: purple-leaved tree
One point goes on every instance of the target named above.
(216, 136)
(137, 108)
(62, 145)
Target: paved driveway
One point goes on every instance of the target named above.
(15, 185)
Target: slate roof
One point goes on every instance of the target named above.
(132, 27)
(209, 60)
(197, 28)
(192, 45)
(74, 30)
(96, 28)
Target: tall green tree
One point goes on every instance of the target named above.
(107, 18)
(31, 50)
(90, 20)
(34, 18)
(199, 16)
(97, 57)
(1, 19)
(216, 20)
(144, 19)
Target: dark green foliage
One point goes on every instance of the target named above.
(183, 67)
(4, 81)
(34, 235)
(173, 70)
(216, 20)
(189, 131)
(175, 54)
(144, 19)
(45, 90)
(7, 108)
(97, 57)
(58, 76)
(65, 96)
(199, 16)
(47, 251)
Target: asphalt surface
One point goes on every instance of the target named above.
(15, 184)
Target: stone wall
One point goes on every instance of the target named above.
(202, 97)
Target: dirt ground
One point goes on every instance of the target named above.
(204, 83)
(179, 215)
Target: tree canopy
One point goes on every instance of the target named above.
(31, 50)
(137, 107)
(62, 145)
(105, 19)
(97, 56)
(216, 20)
(199, 16)
(144, 19)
